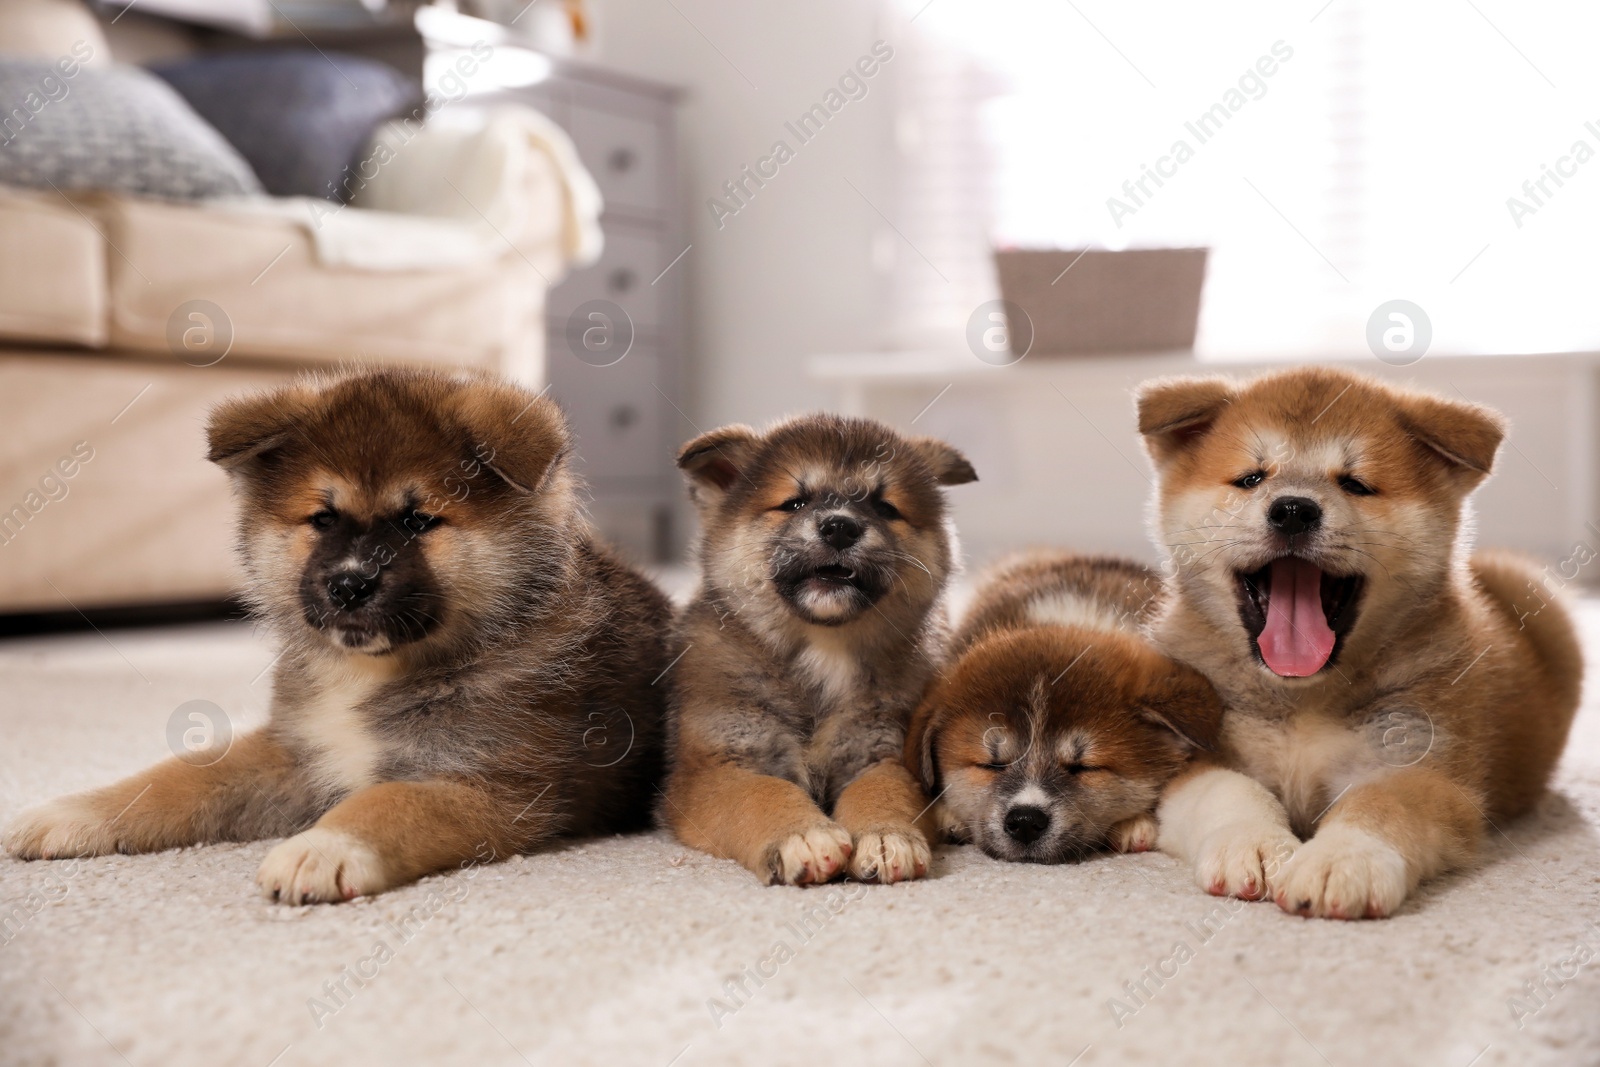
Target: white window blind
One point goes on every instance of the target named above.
(1336, 156)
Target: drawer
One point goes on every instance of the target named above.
(621, 275)
(623, 152)
(616, 414)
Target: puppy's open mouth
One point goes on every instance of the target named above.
(1297, 614)
(834, 574)
(829, 594)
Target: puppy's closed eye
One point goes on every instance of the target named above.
(1084, 768)
(419, 521)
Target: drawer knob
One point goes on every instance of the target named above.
(621, 160)
(622, 280)
(624, 416)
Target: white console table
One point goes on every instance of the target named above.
(1060, 462)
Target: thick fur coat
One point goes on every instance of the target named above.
(818, 623)
(1390, 693)
(465, 672)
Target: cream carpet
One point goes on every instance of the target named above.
(631, 950)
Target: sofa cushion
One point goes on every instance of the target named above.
(52, 271)
(300, 118)
(52, 30)
(108, 498)
(260, 293)
(121, 129)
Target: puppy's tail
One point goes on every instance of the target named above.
(1528, 597)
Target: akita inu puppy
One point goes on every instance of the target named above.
(1388, 692)
(818, 622)
(466, 672)
(1056, 725)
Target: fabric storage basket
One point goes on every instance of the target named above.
(1095, 301)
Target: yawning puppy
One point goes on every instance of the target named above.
(818, 621)
(1056, 725)
(465, 672)
(1386, 691)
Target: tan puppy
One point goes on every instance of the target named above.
(817, 624)
(1386, 691)
(1056, 725)
(465, 672)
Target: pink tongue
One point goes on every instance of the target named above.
(1296, 642)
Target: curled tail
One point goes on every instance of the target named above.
(1535, 608)
(1535, 733)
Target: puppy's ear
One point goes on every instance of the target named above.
(1175, 413)
(244, 429)
(950, 467)
(1179, 699)
(922, 746)
(1465, 437)
(714, 461)
(521, 438)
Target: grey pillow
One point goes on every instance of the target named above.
(121, 129)
(300, 117)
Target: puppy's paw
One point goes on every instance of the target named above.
(890, 855)
(809, 858)
(1137, 834)
(1343, 873)
(320, 866)
(1243, 859)
(83, 824)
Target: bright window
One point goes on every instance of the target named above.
(1334, 156)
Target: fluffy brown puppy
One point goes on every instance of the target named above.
(1387, 691)
(818, 621)
(1056, 724)
(465, 672)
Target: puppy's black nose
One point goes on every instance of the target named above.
(840, 531)
(350, 590)
(1025, 825)
(1294, 515)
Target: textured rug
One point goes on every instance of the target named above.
(638, 951)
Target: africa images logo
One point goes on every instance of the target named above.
(1252, 85)
(739, 191)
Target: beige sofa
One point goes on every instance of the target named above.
(123, 320)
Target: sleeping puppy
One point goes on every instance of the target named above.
(465, 671)
(1056, 725)
(817, 624)
(1388, 692)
